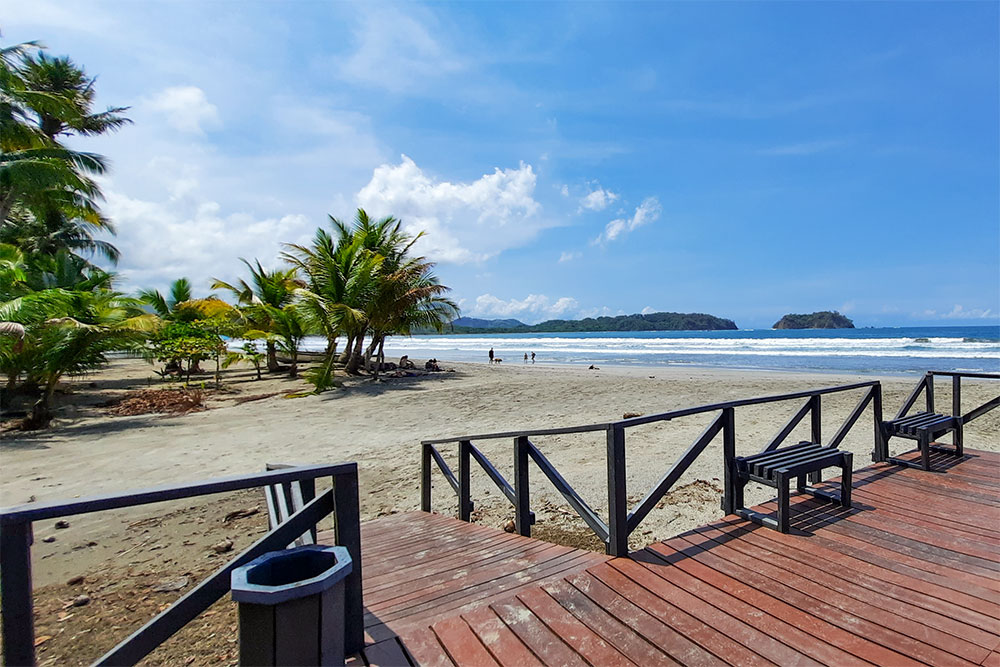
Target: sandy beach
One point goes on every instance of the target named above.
(380, 425)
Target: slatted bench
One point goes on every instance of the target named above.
(925, 428)
(776, 469)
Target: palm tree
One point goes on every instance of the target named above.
(48, 198)
(166, 306)
(266, 295)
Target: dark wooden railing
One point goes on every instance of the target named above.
(16, 540)
(926, 386)
(622, 522)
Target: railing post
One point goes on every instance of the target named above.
(425, 477)
(464, 492)
(617, 496)
(728, 458)
(956, 395)
(522, 508)
(15, 594)
(347, 514)
(816, 424)
(929, 391)
(881, 451)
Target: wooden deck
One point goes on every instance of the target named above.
(910, 575)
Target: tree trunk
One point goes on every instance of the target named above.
(41, 411)
(295, 361)
(380, 357)
(345, 358)
(272, 357)
(357, 356)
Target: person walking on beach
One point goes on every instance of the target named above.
(525, 357)
(532, 357)
(491, 356)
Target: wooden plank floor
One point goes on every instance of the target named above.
(909, 575)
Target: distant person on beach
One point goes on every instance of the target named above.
(491, 356)
(532, 357)
(525, 357)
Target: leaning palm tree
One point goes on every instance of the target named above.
(267, 293)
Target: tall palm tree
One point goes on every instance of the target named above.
(166, 306)
(262, 299)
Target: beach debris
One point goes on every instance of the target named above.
(509, 526)
(49, 539)
(80, 601)
(41, 640)
(171, 585)
(241, 513)
(593, 368)
(76, 581)
(62, 523)
(223, 546)
(146, 401)
(632, 415)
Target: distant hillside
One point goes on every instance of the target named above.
(821, 320)
(650, 322)
(476, 323)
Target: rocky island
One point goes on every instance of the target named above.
(821, 320)
(637, 322)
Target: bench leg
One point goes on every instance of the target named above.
(816, 477)
(800, 485)
(958, 439)
(782, 483)
(739, 484)
(925, 450)
(846, 475)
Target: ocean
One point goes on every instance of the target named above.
(894, 350)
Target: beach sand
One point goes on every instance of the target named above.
(131, 564)
(380, 425)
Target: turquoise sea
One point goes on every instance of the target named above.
(872, 350)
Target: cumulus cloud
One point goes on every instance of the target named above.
(598, 199)
(532, 307)
(465, 222)
(648, 211)
(186, 108)
(648, 310)
(569, 256)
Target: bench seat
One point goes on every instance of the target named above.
(925, 427)
(778, 467)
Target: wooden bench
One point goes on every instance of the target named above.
(285, 499)
(776, 469)
(925, 427)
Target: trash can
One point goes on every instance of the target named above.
(291, 606)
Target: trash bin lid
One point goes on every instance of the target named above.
(290, 574)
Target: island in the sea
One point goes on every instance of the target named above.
(637, 322)
(822, 320)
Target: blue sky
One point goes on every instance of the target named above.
(741, 159)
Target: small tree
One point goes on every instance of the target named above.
(185, 343)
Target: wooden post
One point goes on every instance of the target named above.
(728, 459)
(464, 491)
(617, 496)
(881, 451)
(15, 594)
(929, 391)
(522, 508)
(347, 513)
(956, 395)
(816, 424)
(425, 477)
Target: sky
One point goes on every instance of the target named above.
(565, 160)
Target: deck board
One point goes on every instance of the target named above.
(908, 576)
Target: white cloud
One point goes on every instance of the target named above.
(564, 190)
(569, 256)
(960, 313)
(648, 211)
(186, 108)
(465, 222)
(647, 310)
(598, 200)
(397, 51)
(533, 306)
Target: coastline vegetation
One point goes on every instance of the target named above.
(820, 320)
(62, 314)
(638, 322)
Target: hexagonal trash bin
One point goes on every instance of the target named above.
(291, 606)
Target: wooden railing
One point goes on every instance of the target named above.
(16, 540)
(926, 386)
(621, 521)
